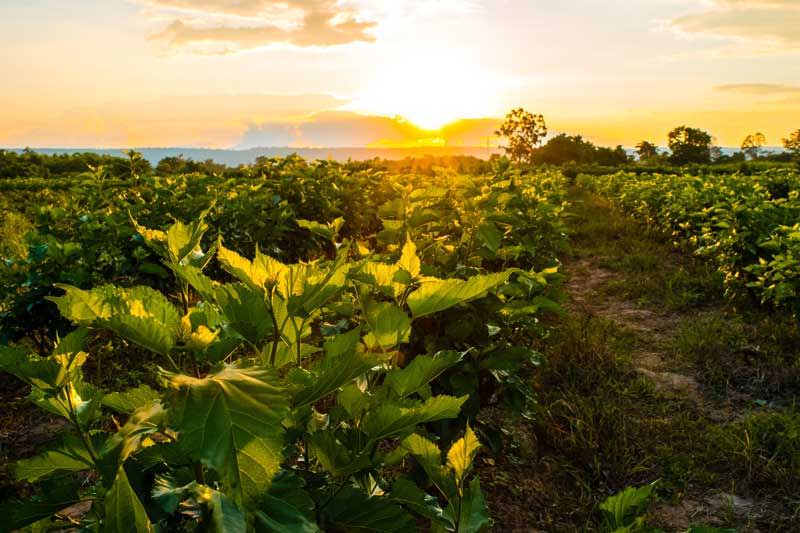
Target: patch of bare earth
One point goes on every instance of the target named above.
(653, 358)
(655, 331)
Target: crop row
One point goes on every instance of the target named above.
(747, 225)
(307, 379)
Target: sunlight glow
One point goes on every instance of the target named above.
(431, 88)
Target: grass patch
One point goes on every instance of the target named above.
(656, 273)
(756, 354)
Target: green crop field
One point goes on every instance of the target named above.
(306, 346)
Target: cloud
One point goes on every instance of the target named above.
(349, 129)
(759, 88)
(771, 25)
(226, 26)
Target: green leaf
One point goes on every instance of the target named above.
(328, 231)
(196, 279)
(342, 363)
(144, 332)
(141, 424)
(622, 508)
(429, 458)
(490, 236)
(352, 511)
(353, 399)
(226, 516)
(438, 295)
(473, 513)
(410, 496)
(246, 311)
(286, 507)
(130, 400)
(140, 314)
(422, 370)
(41, 372)
(183, 240)
(231, 421)
(409, 261)
(334, 456)
(69, 456)
(396, 419)
(263, 271)
(390, 325)
(124, 511)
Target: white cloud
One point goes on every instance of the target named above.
(226, 26)
(769, 25)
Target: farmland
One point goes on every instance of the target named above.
(304, 346)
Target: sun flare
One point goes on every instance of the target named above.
(431, 89)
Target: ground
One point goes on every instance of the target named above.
(652, 374)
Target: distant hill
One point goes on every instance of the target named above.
(246, 156)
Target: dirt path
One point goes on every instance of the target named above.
(653, 355)
(654, 351)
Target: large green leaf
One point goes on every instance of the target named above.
(409, 495)
(130, 400)
(246, 311)
(352, 511)
(388, 323)
(472, 513)
(69, 456)
(286, 507)
(195, 278)
(429, 458)
(490, 236)
(328, 231)
(140, 314)
(438, 295)
(422, 370)
(263, 271)
(45, 373)
(124, 511)
(318, 287)
(409, 261)
(141, 424)
(343, 362)
(334, 456)
(397, 419)
(183, 240)
(231, 421)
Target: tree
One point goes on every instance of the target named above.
(792, 143)
(689, 145)
(524, 132)
(646, 150)
(565, 148)
(752, 145)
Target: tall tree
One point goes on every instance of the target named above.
(646, 150)
(524, 132)
(753, 144)
(792, 143)
(689, 145)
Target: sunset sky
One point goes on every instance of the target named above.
(244, 73)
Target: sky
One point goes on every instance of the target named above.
(311, 73)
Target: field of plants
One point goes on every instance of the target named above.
(297, 346)
(301, 348)
(746, 225)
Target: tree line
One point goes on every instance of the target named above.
(525, 132)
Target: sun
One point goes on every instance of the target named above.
(430, 89)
